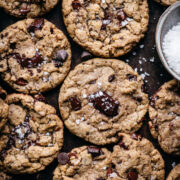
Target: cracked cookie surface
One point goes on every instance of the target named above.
(87, 162)
(133, 158)
(28, 8)
(166, 2)
(107, 28)
(35, 56)
(32, 136)
(175, 173)
(3, 108)
(164, 112)
(102, 97)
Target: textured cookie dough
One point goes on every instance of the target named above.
(133, 158)
(28, 8)
(102, 97)
(166, 2)
(35, 56)
(107, 28)
(32, 137)
(4, 176)
(3, 108)
(87, 162)
(164, 112)
(175, 173)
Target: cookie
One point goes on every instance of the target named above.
(133, 158)
(3, 108)
(27, 8)
(4, 176)
(164, 112)
(106, 28)
(166, 2)
(35, 56)
(175, 173)
(136, 158)
(102, 97)
(87, 162)
(32, 136)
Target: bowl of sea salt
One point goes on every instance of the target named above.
(168, 39)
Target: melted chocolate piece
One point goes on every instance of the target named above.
(111, 78)
(24, 11)
(121, 16)
(27, 62)
(41, 176)
(139, 99)
(136, 136)
(21, 82)
(132, 175)
(63, 158)
(36, 25)
(40, 97)
(75, 103)
(109, 171)
(100, 178)
(104, 103)
(76, 4)
(122, 145)
(86, 55)
(131, 77)
(94, 151)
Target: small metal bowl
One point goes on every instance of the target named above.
(167, 20)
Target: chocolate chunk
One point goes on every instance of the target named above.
(86, 55)
(111, 78)
(41, 176)
(24, 11)
(104, 103)
(75, 103)
(122, 145)
(76, 4)
(109, 171)
(121, 16)
(131, 77)
(36, 25)
(94, 151)
(63, 158)
(21, 82)
(40, 97)
(92, 82)
(132, 175)
(136, 136)
(27, 62)
(100, 178)
(61, 57)
(13, 45)
(153, 100)
(139, 99)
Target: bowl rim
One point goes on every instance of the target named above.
(158, 39)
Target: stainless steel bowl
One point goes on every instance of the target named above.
(167, 20)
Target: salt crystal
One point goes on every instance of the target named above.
(133, 53)
(152, 59)
(84, 96)
(113, 175)
(173, 164)
(77, 121)
(140, 62)
(171, 48)
(141, 46)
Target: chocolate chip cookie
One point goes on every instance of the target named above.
(175, 173)
(27, 8)
(35, 56)
(107, 28)
(133, 158)
(32, 136)
(87, 162)
(166, 2)
(4, 176)
(136, 158)
(3, 108)
(102, 97)
(164, 112)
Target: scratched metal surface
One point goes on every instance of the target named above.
(143, 57)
